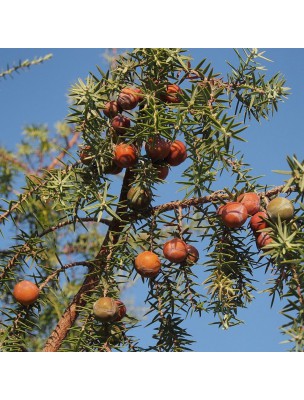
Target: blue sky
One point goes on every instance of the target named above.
(39, 95)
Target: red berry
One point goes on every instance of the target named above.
(234, 214)
(175, 250)
(263, 239)
(251, 201)
(220, 209)
(257, 223)
(139, 94)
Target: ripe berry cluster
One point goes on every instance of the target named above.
(148, 264)
(235, 213)
(161, 152)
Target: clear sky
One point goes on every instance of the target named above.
(39, 96)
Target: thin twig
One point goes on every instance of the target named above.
(63, 268)
(26, 247)
(8, 157)
(69, 145)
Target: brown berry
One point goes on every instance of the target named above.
(256, 221)
(139, 94)
(172, 94)
(163, 170)
(26, 292)
(125, 155)
(112, 169)
(177, 154)
(251, 201)
(193, 255)
(234, 214)
(105, 309)
(147, 264)
(85, 155)
(280, 207)
(121, 310)
(111, 109)
(120, 124)
(157, 148)
(263, 239)
(175, 250)
(139, 199)
(127, 99)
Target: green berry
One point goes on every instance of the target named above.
(139, 199)
(280, 207)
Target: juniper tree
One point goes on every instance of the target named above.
(84, 215)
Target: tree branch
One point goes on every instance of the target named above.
(63, 268)
(91, 281)
(15, 258)
(8, 157)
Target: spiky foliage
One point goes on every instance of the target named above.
(77, 238)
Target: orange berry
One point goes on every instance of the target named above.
(175, 250)
(147, 264)
(26, 292)
(251, 201)
(177, 154)
(234, 214)
(125, 155)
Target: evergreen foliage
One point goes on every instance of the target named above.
(72, 232)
